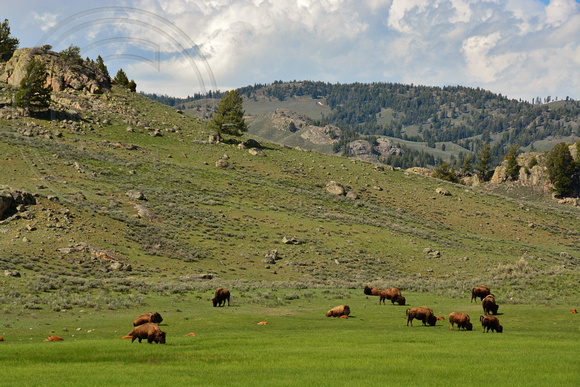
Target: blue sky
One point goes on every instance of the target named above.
(519, 48)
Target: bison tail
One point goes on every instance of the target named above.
(480, 318)
(407, 312)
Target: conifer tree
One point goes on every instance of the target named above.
(483, 161)
(7, 44)
(229, 118)
(512, 169)
(561, 169)
(33, 95)
(121, 78)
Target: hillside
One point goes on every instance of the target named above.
(432, 123)
(129, 197)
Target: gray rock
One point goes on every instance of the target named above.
(335, 188)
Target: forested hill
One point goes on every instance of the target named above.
(434, 116)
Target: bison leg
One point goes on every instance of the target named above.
(452, 326)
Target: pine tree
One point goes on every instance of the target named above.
(467, 167)
(229, 118)
(444, 172)
(7, 44)
(121, 78)
(512, 169)
(483, 161)
(131, 85)
(101, 66)
(33, 95)
(561, 169)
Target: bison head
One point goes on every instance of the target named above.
(499, 329)
(399, 299)
(161, 338)
(215, 301)
(494, 309)
(469, 326)
(432, 320)
(156, 318)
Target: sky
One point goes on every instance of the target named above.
(522, 49)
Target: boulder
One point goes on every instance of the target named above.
(291, 241)
(352, 195)
(335, 188)
(135, 195)
(443, 192)
(223, 164)
(257, 152)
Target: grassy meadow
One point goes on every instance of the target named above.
(298, 346)
(213, 227)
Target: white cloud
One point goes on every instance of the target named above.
(47, 20)
(520, 48)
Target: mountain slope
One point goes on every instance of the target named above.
(195, 220)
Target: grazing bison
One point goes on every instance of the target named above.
(392, 294)
(220, 297)
(149, 331)
(462, 321)
(371, 291)
(148, 318)
(479, 291)
(422, 313)
(489, 305)
(490, 322)
(573, 311)
(341, 310)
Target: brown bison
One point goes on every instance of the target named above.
(371, 291)
(392, 294)
(490, 322)
(479, 291)
(462, 321)
(1, 338)
(422, 313)
(489, 305)
(54, 338)
(573, 311)
(341, 310)
(149, 331)
(220, 297)
(148, 318)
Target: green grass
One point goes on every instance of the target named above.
(299, 346)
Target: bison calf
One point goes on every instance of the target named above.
(489, 305)
(462, 321)
(338, 311)
(148, 318)
(220, 297)
(422, 313)
(149, 331)
(490, 322)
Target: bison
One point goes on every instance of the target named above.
(462, 321)
(489, 305)
(371, 291)
(573, 311)
(148, 318)
(490, 322)
(392, 294)
(422, 313)
(479, 291)
(220, 297)
(341, 310)
(149, 331)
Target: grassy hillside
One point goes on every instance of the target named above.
(205, 221)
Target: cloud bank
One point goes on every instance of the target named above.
(520, 48)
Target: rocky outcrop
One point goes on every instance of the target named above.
(364, 150)
(289, 121)
(61, 74)
(13, 200)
